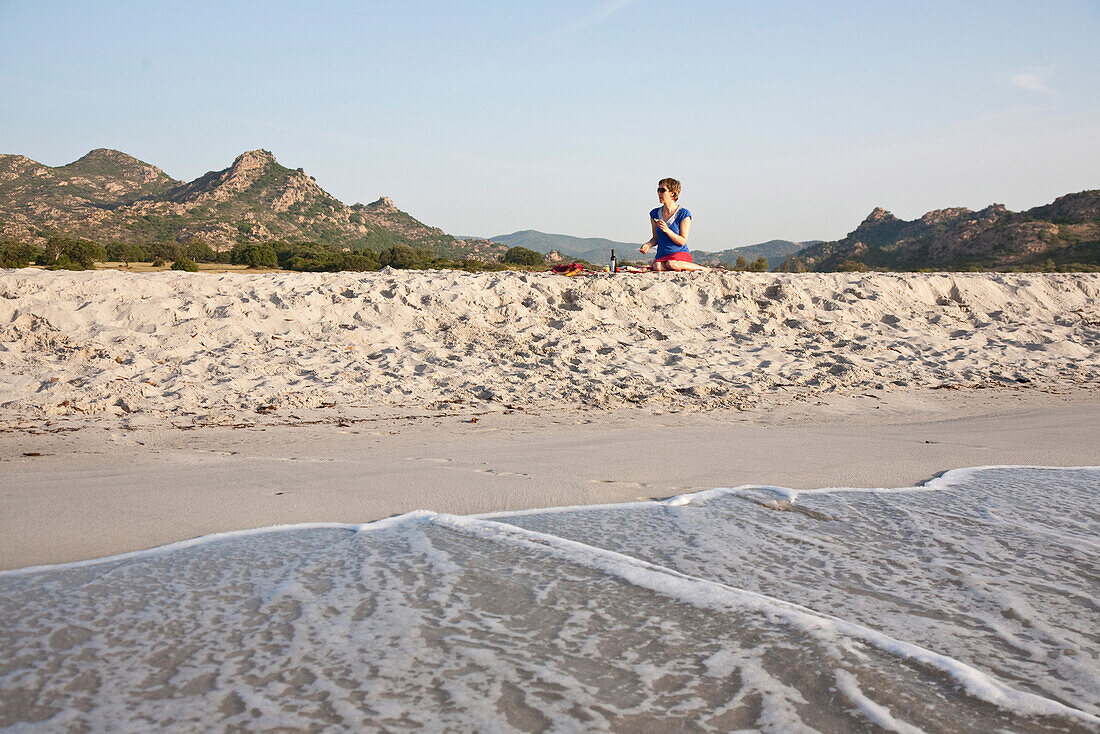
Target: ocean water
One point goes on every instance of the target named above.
(969, 604)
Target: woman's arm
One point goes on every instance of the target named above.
(680, 239)
(652, 240)
(685, 227)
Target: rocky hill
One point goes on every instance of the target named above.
(1063, 233)
(109, 196)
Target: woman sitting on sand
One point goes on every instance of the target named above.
(670, 224)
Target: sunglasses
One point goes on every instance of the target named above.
(662, 191)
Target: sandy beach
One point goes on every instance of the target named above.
(160, 349)
(604, 502)
(137, 410)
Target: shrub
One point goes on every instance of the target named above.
(255, 255)
(64, 262)
(406, 258)
(66, 253)
(18, 254)
(792, 264)
(759, 265)
(86, 252)
(318, 257)
(196, 249)
(851, 266)
(306, 256)
(166, 252)
(523, 256)
(126, 253)
(186, 264)
(359, 261)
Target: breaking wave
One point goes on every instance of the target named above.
(965, 604)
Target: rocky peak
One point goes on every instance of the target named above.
(879, 215)
(1084, 206)
(115, 166)
(247, 167)
(383, 204)
(992, 213)
(258, 158)
(879, 225)
(105, 155)
(943, 216)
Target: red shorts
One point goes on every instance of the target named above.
(684, 256)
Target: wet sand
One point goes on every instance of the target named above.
(102, 489)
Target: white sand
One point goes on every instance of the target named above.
(148, 348)
(630, 386)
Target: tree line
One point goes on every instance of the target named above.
(68, 253)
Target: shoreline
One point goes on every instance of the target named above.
(106, 490)
(139, 410)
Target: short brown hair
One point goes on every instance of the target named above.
(672, 185)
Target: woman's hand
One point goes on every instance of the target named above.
(644, 248)
(663, 226)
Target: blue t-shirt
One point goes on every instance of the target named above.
(666, 246)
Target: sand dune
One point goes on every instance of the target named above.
(144, 348)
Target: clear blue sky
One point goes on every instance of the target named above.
(783, 119)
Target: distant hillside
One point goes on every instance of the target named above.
(775, 251)
(597, 249)
(109, 196)
(593, 249)
(1061, 234)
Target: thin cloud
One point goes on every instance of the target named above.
(604, 11)
(1032, 82)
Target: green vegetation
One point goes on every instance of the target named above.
(156, 228)
(759, 265)
(63, 253)
(126, 253)
(406, 258)
(186, 264)
(18, 254)
(792, 264)
(322, 257)
(164, 252)
(852, 266)
(523, 256)
(66, 253)
(255, 255)
(196, 249)
(69, 253)
(273, 174)
(319, 257)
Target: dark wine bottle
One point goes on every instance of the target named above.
(613, 267)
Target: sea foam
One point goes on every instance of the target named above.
(964, 604)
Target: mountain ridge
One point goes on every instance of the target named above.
(110, 196)
(1064, 232)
